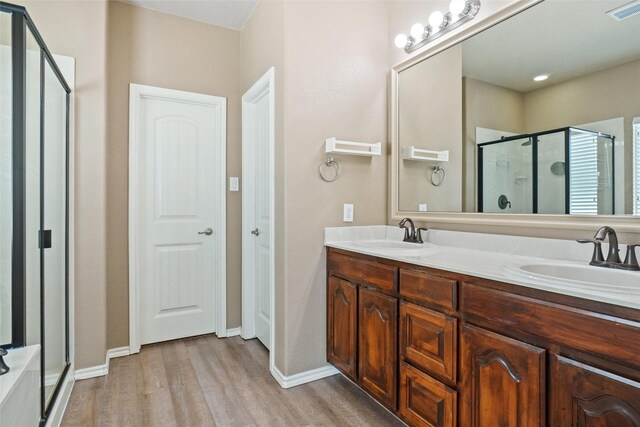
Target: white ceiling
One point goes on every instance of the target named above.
(562, 38)
(223, 13)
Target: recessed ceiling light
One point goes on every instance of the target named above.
(541, 77)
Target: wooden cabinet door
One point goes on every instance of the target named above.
(342, 341)
(584, 396)
(377, 340)
(503, 381)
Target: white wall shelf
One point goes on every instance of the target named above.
(332, 145)
(413, 153)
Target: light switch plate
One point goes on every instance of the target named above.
(347, 215)
(234, 183)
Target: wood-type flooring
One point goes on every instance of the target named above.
(207, 381)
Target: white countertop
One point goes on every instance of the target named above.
(499, 257)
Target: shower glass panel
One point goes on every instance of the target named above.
(6, 173)
(590, 173)
(32, 190)
(54, 222)
(551, 173)
(505, 180)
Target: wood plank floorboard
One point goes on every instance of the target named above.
(207, 381)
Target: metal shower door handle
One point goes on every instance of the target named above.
(255, 232)
(208, 231)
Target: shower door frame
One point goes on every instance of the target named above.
(20, 23)
(534, 165)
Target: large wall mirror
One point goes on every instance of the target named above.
(537, 114)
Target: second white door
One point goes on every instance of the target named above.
(257, 218)
(180, 141)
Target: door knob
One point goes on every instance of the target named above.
(208, 231)
(255, 232)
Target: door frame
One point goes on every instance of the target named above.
(137, 93)
(265, 86)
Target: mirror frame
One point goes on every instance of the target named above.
(626, 223)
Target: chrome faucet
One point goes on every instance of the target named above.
(411, 234)
(613, 256)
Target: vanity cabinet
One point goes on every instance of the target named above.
(442, 349)
(503, 380)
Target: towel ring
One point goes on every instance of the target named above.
(438, 171)
(329, 163)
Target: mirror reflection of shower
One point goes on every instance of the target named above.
(566, 170)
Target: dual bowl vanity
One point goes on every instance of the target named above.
(472, 329)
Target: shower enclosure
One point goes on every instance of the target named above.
(561, 171)
(34, 205)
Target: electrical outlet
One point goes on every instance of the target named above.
(422, 207)
(347, 215)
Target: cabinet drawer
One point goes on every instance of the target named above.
(607, 336)
(425, 401)
(362, 271)
(428, 340)
(429, 289)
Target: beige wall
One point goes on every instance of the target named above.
(78, 29)
(607, 94)
(157, 49)
(506, 114)
(336, 65)
(429, 105)
(330, 81)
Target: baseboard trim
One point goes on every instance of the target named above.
(92, 372)
(233, 332)
(101, 370)
(112, 353)
(303, 377)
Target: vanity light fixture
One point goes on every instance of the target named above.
(460, 11)
(541, 77)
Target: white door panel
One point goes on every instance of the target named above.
(262, 216)
(180, 195)
(258, 142)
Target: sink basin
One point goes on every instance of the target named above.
(392, 245)
(582, 278)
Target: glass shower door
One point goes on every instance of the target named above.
(551, 176)
(505, 176)
(6, 181)
(54, 235)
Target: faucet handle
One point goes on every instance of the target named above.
(597, 257)
(630, 259)
(3, 366)
(419, 234)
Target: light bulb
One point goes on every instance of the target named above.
(401, 40)
(417, 30)
(436, 19)
(456, 7)
(541, 77)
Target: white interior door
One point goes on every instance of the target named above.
(181, 193)
(257, 221)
